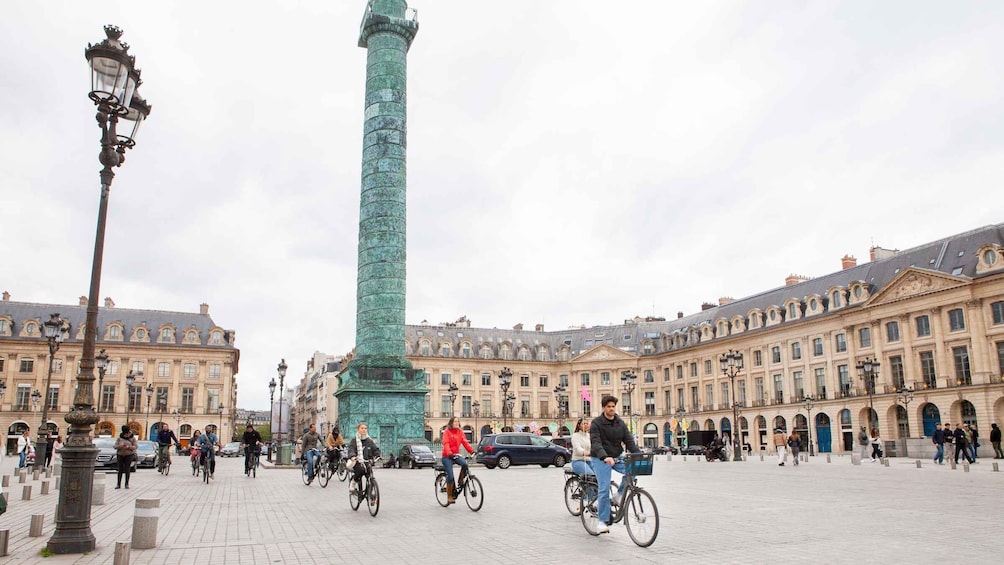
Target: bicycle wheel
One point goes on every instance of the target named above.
(573, 496)
(373, 498)
(590, 513)
(205, 470)
(473, 495)
(254, 467)
(167, 468)
(323, 473)
(355, 498)
(441, 490)
(641, 517)
(343, 471)
(303, 472)
(195, 467)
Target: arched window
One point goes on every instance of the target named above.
(486, 351)
(185, 430)
(216, 338)
(524, 354)
(835, 299)
(780, 423)
(445, 350)
(542, 354)
(424, 348)
(504, 352)
(465, 350)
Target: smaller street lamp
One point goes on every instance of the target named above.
(130, 380)
(905, 397)
(476, 407)
(628, 383)
(271, 406)
(219, 430)
(681, 414)
(868, 370)
(281, 369)
(453, 396)
(36, 397)
(561, 396)
(809, 402)
(101, 363)
(505, 380)
(149, 401)
(3, 389)
(732, 365)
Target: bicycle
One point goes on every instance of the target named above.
(370, 490)
(164, 459)
(470, 486)
(194, 456)
(342, 469)
(206, 474)
(637, 509)
(251, 456)
(320, 468)
(573, 491)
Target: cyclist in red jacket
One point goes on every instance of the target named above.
(453, 438)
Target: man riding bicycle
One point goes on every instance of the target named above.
(334, 443)
(453, 438)
(309, 444)
(607, 434)
(251, 441)
(165, 437)
(206, 443)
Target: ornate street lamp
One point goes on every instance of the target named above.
(809, 402)
(219, 430)
(130, 380)
(732, 365)
(282, 379)
(149, 401)
(905, 397)
(36, 397)
(453, 396)
(271, 406)
(505, 380)
(3, 389)
(476, 407)
(561, 397)
(681, 413)
(868, 370)
(114, 78)
(628, 383)
(55, 331)
(101, 364)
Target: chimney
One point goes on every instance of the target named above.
(539, 327)
(679, 315)
(109, 303)
(725, 300)
(707, 306)
(204, 309)
(876, 253)
(518, 327)
(848, 261)
(794, 279)
(82, 301)
(6, 296)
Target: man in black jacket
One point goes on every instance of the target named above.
(938, 439)
(995, 439)
(608, 436)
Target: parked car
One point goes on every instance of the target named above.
(107, 458)
(517, 448)
(415, 455)
(563, 441)
(146, 454)
(664, 449)
(693, 449)
(232, 449)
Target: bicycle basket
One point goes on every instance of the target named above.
(638, 463)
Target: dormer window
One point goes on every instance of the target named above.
(835, 299)
(30, 328)
(217, 338)
(114, 332)
(165, 335)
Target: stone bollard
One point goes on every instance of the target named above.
(6, 480)
(995, 468)
(684, 458)
(827, 457)
(761, 457)
(121, 553)
(45, 487)
(98, 491)
(35, 530)
(885, 461)
(36, 474)
(144, 523)
(26, 492)
(22, 477)
(965, 467)
(918, 463)
(48, 472)
(952, 463)
(4, 538)
(56, 486)
(56, 468)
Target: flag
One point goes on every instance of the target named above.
(585, 395)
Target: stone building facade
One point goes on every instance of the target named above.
(931, 316)
(188, 362)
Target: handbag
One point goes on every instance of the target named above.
(3, 503)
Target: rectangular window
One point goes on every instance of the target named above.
(486, 379)
(892, 332)
(53, 400)
(108, 398)
(963, 376)
(138, 367)
(587, 408)
(779, 388)
(927, 369)
(665, 372)
(707, 366)
(923, 326)
(997, 310)
(543, 408)
(761, 394)
(188, 370)
(57, 366)
(820, 374)
(428, 403)
(817, 346)
(679, 371)
(625, 405)
(163, 369)
(775, 354)
(1, 360)
(26, 366)
(649, 376)
(524, 380)
(1000, 357)
(466, 378)
(865, 337)
(757, 358)
(956, 320)
(796, 350)
(709, 395)
(445, 406)
(649, 403)
(896, 372)
(486, 407)
(187, 400)
(604, 378)
(845, 380)
(796, 377)
(840, 341)
(741, 392)
(667, 397)
(23, 394)
(543, 381)
(679, 397)
(563, 380)
(725, 395)
(695, 400)
(444, 379)
(212, 400)
(465, 406)
(135, 398)
(160, 399)
(693, 369)
(585, 379)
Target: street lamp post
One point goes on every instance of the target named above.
(476, 407)
(453, 397)
(3, 389)
(271, 406)
(905, 397)
(36, 397)
(282, 380)
(114, 78)
(681, 413)
(732, 365)
(868, 370)
(130, 380)
(629, 381)
(56, 331)
(149, 401)
(561, 397)
(101, 363)
(505, 380)
(809, 402)
(219, 430)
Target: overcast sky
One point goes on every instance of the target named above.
(570, 162)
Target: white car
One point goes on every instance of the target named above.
(232, 449)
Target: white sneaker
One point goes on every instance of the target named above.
(602, 527)
(615, 499)
(352, 488)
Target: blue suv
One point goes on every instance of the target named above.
(516, 448)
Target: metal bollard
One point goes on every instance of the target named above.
(4, 538)
(35, 530)
(918, 463)
(144, 523)
(26, 492)
(827, 457)
(36, 474)
(45, 487)
(761, 456)
(121, 553)
(684, 458)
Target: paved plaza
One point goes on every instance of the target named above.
(752, 512)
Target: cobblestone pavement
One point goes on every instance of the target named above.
(751, 512)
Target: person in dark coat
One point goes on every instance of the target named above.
(125, 450)
(995, 440)
(961, 447)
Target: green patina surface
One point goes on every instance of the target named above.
(380, 387)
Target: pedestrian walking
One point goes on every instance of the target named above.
(969, 442)
(876, 442)
(863, 443)
(125, 449)
(24, 448)
(960, 444)
(995, 440)
(976, 440)
(793, 440)
(938, 439)
(781, 445)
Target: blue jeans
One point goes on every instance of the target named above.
(940, 455)
(311, 454)
(972, 450)
(448, 467)
(602, 471)
(582, 467)
(20, 461)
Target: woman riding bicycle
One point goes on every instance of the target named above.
(193, 448)
(581, 446)
(334, 443)
(206, 443)
(362, 447)
(453, 438)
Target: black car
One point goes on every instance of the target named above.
(107, 458)
(693, 449)
(516, 448)
(415, 456)
(664, 449)
(146, 454)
